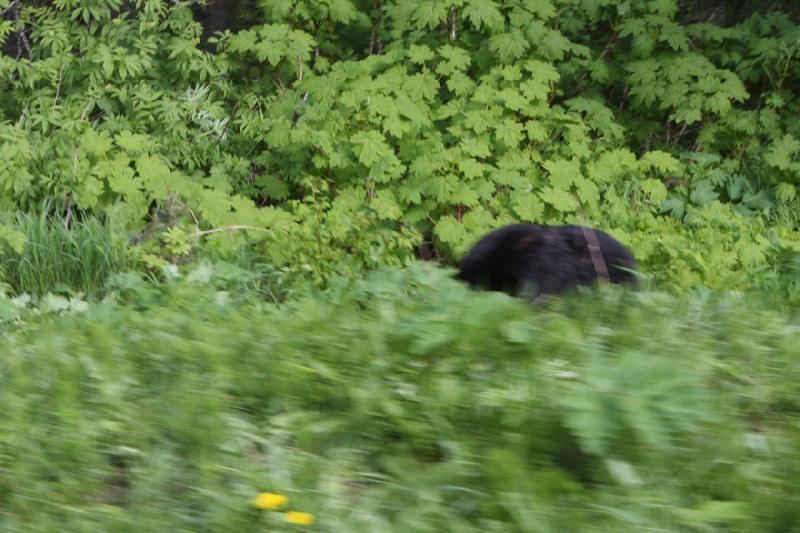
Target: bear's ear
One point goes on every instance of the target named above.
(526, 242)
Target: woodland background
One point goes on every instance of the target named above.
(212, 217)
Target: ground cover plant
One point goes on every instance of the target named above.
(403, 402)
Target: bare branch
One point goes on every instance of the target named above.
(58, 86)
(203, 233)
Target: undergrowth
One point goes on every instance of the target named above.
(403, 402)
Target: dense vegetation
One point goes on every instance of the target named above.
(404, 402)
(355, 133)
(210, 224)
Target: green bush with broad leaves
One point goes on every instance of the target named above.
(342, 135)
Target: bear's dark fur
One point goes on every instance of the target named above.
(545, 260)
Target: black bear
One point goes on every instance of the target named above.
(545, 260)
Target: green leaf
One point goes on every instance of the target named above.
(612, 165)
(272, 187)
(688, 114)
(476, 147)
(480, 120)
(13, 237)
(214, 206)
(675, 36)
(96, 142)
(509, 177)
(460, 84)
(440, 188)
(422, 86)
(541, 9)
(386, 206)
(120, 176)
(456, 60)
(511, 73)
(471, 168)
(528, 208)
(655, 190)
(508, 46)
(449, 231)
(88, 191)
(563, 173)
(132, 142)
(420, 54)
(300, 45)
(664, 8)
(512, 99)
(483, 13)
(535, 89)
(782, 152)
(464, 195)
(429, 14)
(675, 206)
(370, 147)
(660, 161)
(703, 193)
(155, 175)
(342, 11)
(509, 133)
(587, 191)
(561, 200)
(554, 45)
(418, 114)
(542, 70)
(536, 131)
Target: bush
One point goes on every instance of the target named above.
(348, 135)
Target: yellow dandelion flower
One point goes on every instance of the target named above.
(269, 501)
(301, 519)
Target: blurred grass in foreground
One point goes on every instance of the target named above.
(404, 402)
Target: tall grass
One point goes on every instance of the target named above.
(61, 258)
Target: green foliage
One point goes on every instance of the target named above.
(404, 401)
(415, 122)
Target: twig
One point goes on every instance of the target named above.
(22, 39)
(375, 42)
(279, 81)
(86, 109)
(58, 86)
(683, 129)
(203, 233)
(10, 7)
(624, 97)
(196, 223)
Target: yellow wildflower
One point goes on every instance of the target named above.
(269, 501)
(302, 519)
